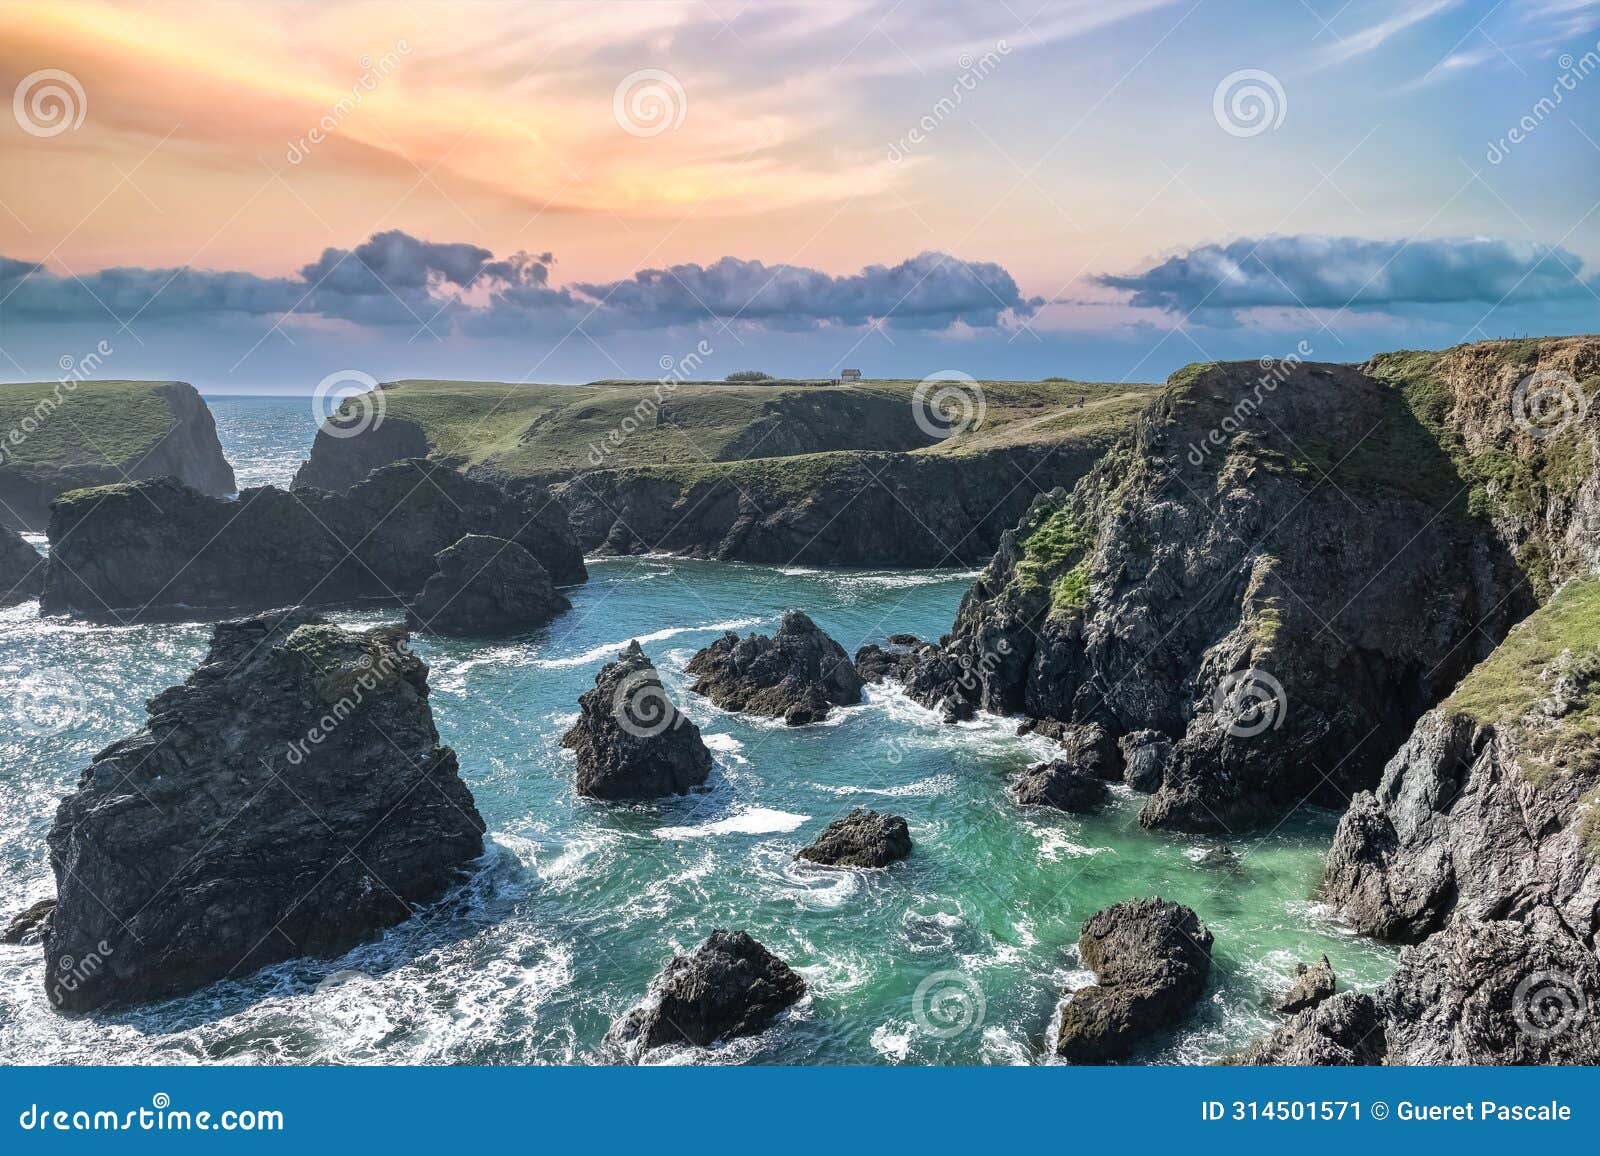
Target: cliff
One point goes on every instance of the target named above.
(56, 437)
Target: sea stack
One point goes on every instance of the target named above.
(486, 586)
(799, 674)
(219, 838)
(631, 741)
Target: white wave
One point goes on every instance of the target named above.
(930, 787)
(752, 821)
(893, 1040)
(612, 649)
(1055, 845)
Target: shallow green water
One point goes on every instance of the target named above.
(578, 904)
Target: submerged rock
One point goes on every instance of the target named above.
(162, 550)
(291, 798)
(29, 925)
(731, 986)
(21, 569)
(486, 586)
(1151, 959)
(799, 674)
(860, 839)
(1313, 983)
(631, 741)
(1061, 784)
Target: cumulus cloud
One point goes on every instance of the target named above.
(393, 278)
(1355, 273)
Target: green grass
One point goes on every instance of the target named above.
(1504, 689)
(1057, 554)
(95, 424)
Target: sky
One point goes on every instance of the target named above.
(257, 197)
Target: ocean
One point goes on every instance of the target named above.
(958, 955)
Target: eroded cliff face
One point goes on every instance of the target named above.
(1278, 570)
(342, 456)
(187, 449)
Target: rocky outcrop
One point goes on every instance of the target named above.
(28, 926)
(486, 586)
(892, 663)
(94, 433)
(860, 839)
(630, 740)
(1277, 571)
(1062, 784)
(162, 550)
(1343, 1031)
(21, 569)
(339, 460)
(291, 798)
(798, 674)
(1313, 983)
(731, 986)
(1145, 755)
(1151, 959)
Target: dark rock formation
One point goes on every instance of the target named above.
(160, 549)
(291, 798)
(731, 986)
(1345, 1030)
(799, 674)
(486, 586)
(1062, 784)
(1145, 755)
(29, 925)
(186, 446)
(631, 741)
(21, 569)
(1151, 959)
(1313, 983)
(860, 839)
(877, 664)
(1206, 580)
(338, 460)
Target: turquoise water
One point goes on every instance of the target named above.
(577, 904)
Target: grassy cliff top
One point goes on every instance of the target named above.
(48, 427)
(536, 428)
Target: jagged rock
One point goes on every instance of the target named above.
(1145, 755)
(731, 986)
(1313, 983)
(1502, 991)
(29, 925)
(1206, 581)
(1061, 784)
(486, 586)
(631, 741)
(338, 460)
(219, 838)
(1344, 1030)
(21, 569)
(1151, 959)
(860, 839)
(876, 664)
(799, 674)
(161, 549)
(1489, 808)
